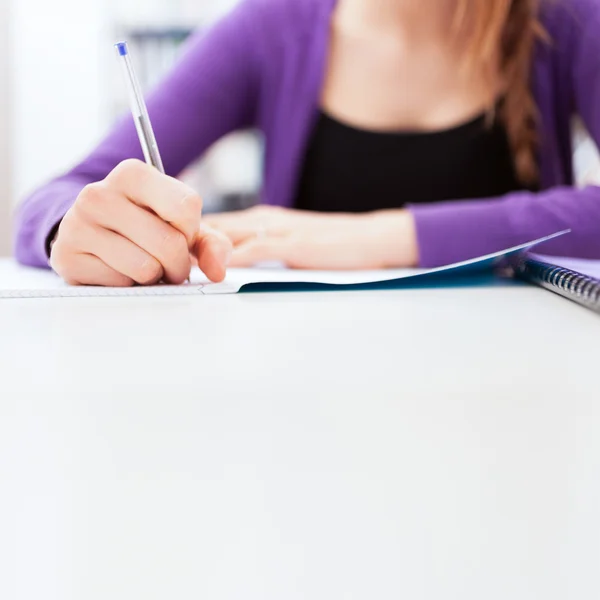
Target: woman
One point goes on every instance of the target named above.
(373, 112)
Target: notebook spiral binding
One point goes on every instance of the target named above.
(580, 288)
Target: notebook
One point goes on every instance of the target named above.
(19, 282)
(577, 280)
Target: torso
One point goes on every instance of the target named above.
(355, 170)
(401, 123)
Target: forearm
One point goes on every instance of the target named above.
(394, 238)
(454, 231)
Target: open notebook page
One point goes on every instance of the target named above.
(21, 282)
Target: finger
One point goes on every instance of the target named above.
(119, 253)
(213, 253)
(90, 270)
(260, 250)
(146, 230)
(257, 222)
(248, 218)
(172, 200)
(236, 226)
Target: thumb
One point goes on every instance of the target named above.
(212, 249)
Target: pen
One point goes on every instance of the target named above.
(140, 110)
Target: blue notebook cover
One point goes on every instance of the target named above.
(478, 271)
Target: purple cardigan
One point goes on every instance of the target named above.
(263, 65)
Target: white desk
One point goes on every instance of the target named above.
(411, 444)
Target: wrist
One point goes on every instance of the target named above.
(395, 233)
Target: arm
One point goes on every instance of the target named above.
(211, 92)
(455, 231)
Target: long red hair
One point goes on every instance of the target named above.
(500, 38)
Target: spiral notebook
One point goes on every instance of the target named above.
(577, 280)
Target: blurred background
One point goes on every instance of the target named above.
(61, 89)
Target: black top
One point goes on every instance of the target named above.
(353, 170)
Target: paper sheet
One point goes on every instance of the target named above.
(580, 265)
(21, 282)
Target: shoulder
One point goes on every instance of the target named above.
(281, 19)
(299, 12)
(569, 19)
(574, 44)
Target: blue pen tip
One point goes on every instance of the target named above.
(122, 48)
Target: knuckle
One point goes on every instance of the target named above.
(129, 169)
(91, 197)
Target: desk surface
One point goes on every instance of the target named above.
(420, 444)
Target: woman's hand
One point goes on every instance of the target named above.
(306, 240)
(136, 226)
